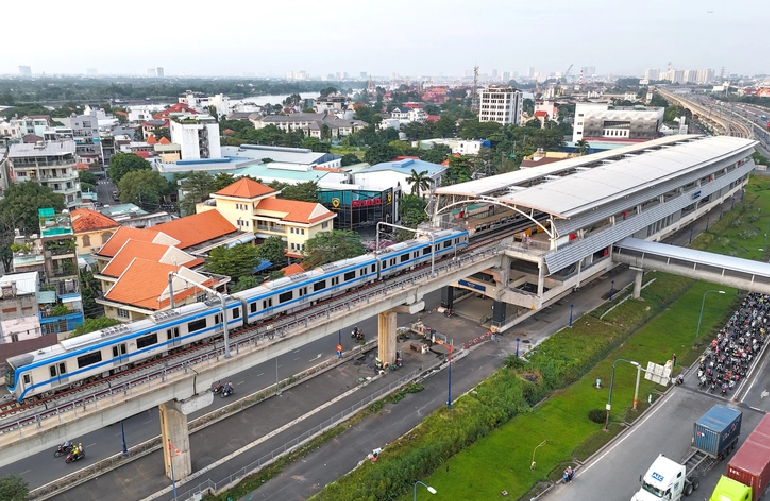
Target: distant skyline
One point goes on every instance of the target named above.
(430, 37)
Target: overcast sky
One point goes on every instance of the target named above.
(411, 37)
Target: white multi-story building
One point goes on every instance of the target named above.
(198, 136)
(596, 121)
(200, 102)
(50, 163)
(500, 103)
(704, 76)
(142, 113)
(652, 74)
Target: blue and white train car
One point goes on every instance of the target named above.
(409, 254)
(114, 349)
(304, 289)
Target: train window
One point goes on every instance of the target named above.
(146, 340)
(447, 244)
(393, 261)
(303, 291)
(349, 275)
(196, 325)
(404, 257)
(362, 272)
(52, 370)
(373, 268)
(319, 286)
(91, 358)
(426, 251)
(62, 368)
(217, 318)
(236, 313)
(168, 336)
(384, 263)
(176, 334)
(26, 379)
(335, 280)
(285, 297)
(253, 306)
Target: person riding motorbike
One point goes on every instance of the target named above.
(228, 388)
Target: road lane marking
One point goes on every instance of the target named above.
(316, 358)
(22, 473)
(91, 445)
(764, 394)
(261, 374)
(625, 436)
(297, 358)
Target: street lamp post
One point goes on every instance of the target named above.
(427, 488)
(123, 437)
(449, 402)
(571, 309)
(612, 378)
(612, 286)
(518, 340)
(700, 316)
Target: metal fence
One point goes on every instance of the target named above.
(140, 381)
(209, 486)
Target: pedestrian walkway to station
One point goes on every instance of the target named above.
(744, 274)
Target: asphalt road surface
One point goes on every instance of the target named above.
(104, 189)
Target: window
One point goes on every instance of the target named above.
(426, 251)
(267, 303)
(118, 350)
(123, 313)
(52, 369)
(285, 297)
(86, 241)
(89, 359)
(172, 333)
(196, 325)
(291, 229)
(373, 268)
(62, 368)
(349, 275)
(292, 246)
(318, 286)
(106, 236)
(335, 280)
(236, 312)
(404, 257)
(253, 307)
(325, 224)
(146, 340)
(302, 230)
(26, 378)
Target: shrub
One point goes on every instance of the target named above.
(748, 233)
(737, 223)
(597, 416)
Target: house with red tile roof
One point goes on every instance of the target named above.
(91, 229)
(142, 289)
(254, 207)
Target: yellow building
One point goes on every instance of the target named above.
(91, 230)
(251, 206)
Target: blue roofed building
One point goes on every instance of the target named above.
(394, 174)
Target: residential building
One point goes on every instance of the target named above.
(312, 124)
(299, 156)
(394, 175)
(25, 71)
(50, 163)
(408, 114)
(160, 72)
(254, 207)
(197, 135)
(625, 124)
(142, 113)
(132, 216)
(500, 103)
(460, 146)
(550, 109)
(32, 124)
(60, 250)
(652, 74)
(91, 230)
(331, 104)
(200, 103)
(18, 307)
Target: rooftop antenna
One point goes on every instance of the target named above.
(475, 101)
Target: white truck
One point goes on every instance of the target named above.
(665, 479)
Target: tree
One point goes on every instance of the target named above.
(123, 163)
(90, 289)
(326, 132)
(302, 192)
(365, 113)
(246, 282)
(331, 246)
(21, 202)
(237, 261)
(88, 180)
(582, 146)
(273, 250)
(93, 324)
(198, 185)
(379, 153)
(327, 91)
(7, 237)
(460, 170)
(445, 127)
(437, 154)
(350, 159)
(138, 135)
(420, 181)
(143, 188)
(412, 212)
(315, 144)
(308, 110)
(13, 488)
(432, 109)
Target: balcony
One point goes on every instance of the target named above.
(31, 163)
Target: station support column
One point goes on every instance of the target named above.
(173, 426)
(448, 297)
(638, 282)
(386, 336)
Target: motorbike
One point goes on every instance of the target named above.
(712, 387)
(679, 380)
(227, 391)
(724, 389)
(218, 388)
(357, 334)
(75, 457)
(62, 450)
(567, 477)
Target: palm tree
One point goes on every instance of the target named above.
(419, 180)
(582, 146)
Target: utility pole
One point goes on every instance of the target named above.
(475, 101)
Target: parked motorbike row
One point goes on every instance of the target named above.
(73, 452)
(729, 356)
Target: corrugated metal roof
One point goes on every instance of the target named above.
(26, 283)
(51, 148)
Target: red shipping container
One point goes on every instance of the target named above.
(751, 466)
(759, 438)
(764, 425)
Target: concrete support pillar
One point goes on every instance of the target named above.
(386, 336)
(638, 284)
(173, 427)
(505, 273)
(540, 278)
(448, 297)
(498, 312)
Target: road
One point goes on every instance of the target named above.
(104, 189)
(106, 442)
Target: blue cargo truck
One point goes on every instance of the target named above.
(714, 435)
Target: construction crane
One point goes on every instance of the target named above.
(566, 74)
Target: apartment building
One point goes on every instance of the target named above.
(500, 103)
(597, 121)
(197, 135)
(50, 163)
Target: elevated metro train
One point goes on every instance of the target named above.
(109, 351)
